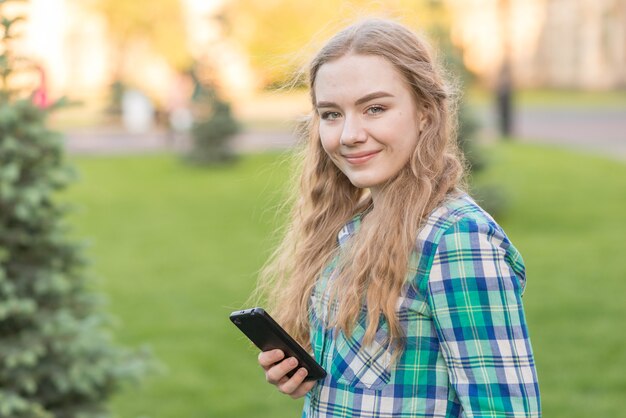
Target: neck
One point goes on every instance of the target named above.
(378, 194)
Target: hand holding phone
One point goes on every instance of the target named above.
(276, 367)
(267, 335)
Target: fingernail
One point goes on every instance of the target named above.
(293, 361)
(302, 372)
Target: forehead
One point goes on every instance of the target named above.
(353, 76)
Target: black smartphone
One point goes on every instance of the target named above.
(266, 334)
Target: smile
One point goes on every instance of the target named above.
(361, 157)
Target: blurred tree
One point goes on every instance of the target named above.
(56, 356)
(276, 33)
(214, 124)
(452, 60)
(492, 198)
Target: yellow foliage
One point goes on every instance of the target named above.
(281, 35)
(159, 24)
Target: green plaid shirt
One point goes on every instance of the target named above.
(467, 350)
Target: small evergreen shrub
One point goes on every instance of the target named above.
(214, 127)
(57, 359)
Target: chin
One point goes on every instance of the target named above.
(363, 183)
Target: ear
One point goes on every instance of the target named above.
(423, 115)
(423, 121)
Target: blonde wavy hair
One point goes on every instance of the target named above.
(374, 268)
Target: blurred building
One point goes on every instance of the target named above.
(68, 44)
(72, 44)
(553, 43)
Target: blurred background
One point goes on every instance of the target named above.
(182, 117)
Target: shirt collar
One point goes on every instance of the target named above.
(349, 229)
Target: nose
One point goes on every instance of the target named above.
(353, 132)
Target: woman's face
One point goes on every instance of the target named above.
(368, 118)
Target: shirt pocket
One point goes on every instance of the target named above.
(359, 366)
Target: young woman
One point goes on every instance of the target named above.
(403, 288)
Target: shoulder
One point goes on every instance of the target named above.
(460, 226)
(454, 209)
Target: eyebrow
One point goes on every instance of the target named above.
(364, 99)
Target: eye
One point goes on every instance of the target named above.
(330, 115)
(374, 110)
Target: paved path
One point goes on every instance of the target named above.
(601, 131)
(116, 141)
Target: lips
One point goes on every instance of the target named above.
(360, 157)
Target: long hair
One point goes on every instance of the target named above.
(374, 268)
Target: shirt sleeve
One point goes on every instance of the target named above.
(475, 298)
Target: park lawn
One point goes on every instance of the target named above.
(566, 216)
(178, 249)
(553, 98)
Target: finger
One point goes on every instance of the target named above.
(303, 389)
(291, 385)
(268, 358)
(276, 373)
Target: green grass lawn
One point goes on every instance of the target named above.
(553, 98)
(178, 249)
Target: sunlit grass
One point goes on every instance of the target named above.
(566, 215)
(553, 98)
(178, 248)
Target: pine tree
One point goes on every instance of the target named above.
(57, 359)
(214, 127)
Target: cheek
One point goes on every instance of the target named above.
(409, 149)
(328, 140)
